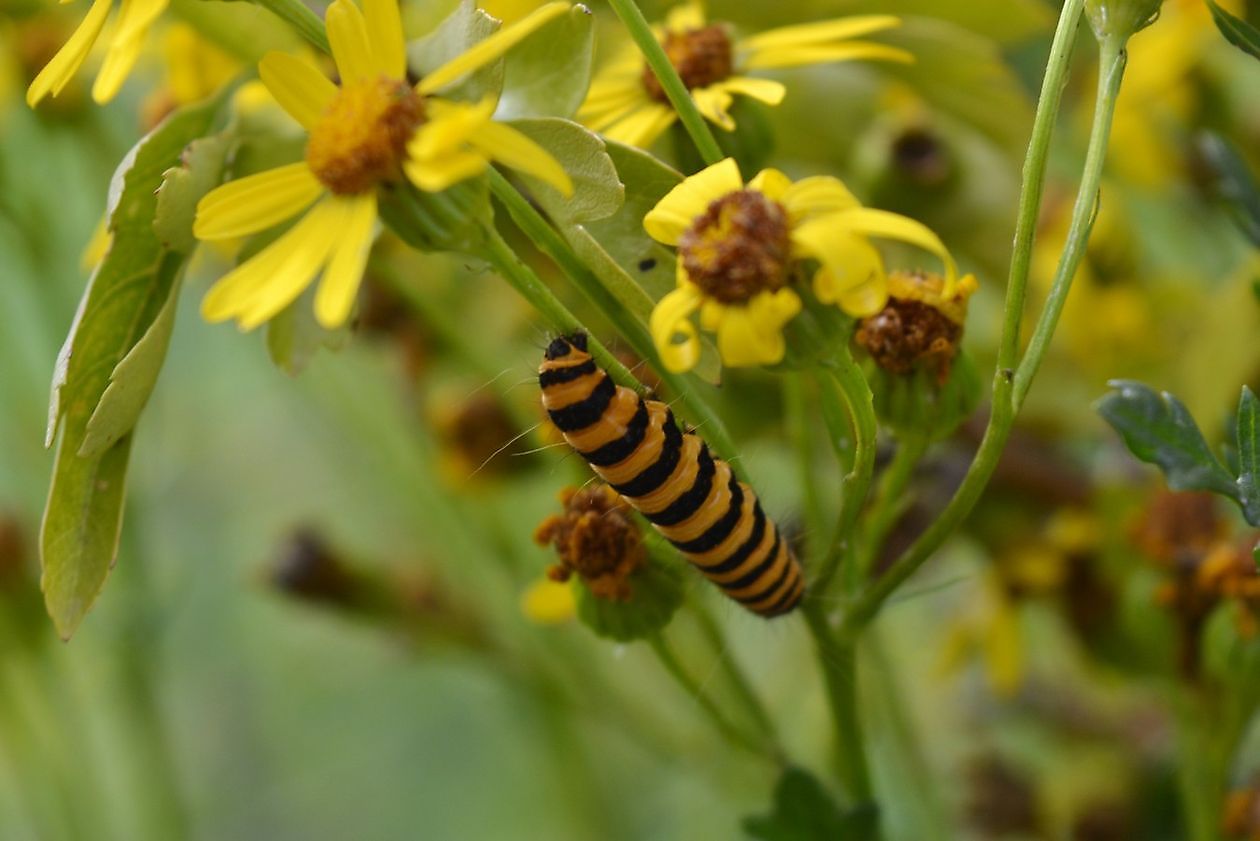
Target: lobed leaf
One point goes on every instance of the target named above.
(461, 29)
(107, 368)
(597, 189)
(1248, 436)
(547, 74)
(804, 811)
(1158, 429)
(1237, 31)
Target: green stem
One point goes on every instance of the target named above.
(632, 17)
(545, 237)
(692, 687)
(837, 660)
(1005, 401)
(890, 500)
(301, 18)
(799, 428)
(848, 381)
(532, 289)
(738, 678)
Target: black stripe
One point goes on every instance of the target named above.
(621, 448)
(583, 413)
(690, 500)
(567, 374)
(786, 602)
(737, 558)
(756, 572)
(720, 530)
(774, 587)
(653, 477)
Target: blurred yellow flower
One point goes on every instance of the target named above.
(626, 102)
(990, 630)
(131, 24)
(548, 602)
(738, 247)
(373, 128)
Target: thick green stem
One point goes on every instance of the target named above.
(632, 17)
(837, 659)
(847, 380)
(545, 237)
(692, 687)
(1005, 399)
(300, 17)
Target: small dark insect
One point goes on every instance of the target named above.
(647, 264)
(669, 476)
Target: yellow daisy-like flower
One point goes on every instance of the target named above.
(626, 102)
(374, 127)
(739, 246)
(132, 23)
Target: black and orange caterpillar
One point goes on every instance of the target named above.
(692, 497)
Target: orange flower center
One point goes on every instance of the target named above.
(701, 57)
(361, 138)
(738, 247)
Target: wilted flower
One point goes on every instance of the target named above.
(597, 538)
(919, 327)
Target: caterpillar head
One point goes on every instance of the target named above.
(562, 346)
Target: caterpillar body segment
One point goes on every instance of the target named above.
(691, 496)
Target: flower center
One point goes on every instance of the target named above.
(361, 139)
(916, 327)
(701, 57)
(738, 247)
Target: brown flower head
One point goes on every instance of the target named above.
(738, 248)
(919, 327)
(701, 57)
(597, 538)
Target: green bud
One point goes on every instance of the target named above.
(656, 592)
(918, 404)
(1121, 19)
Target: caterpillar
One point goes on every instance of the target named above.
(669, 476)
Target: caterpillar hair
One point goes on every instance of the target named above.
(669, 476)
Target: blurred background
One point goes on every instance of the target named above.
(316, 626)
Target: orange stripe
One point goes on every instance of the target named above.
(611, 425)
(646, 454)
(715, 505)
(683, 477)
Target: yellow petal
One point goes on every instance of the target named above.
(348, 36)
(820, 31)
(385, 35)
(511, 148)
(817, 195)
(853, 278)
(771, 183)
(69, 58)
(340, 283)
(714, 103)
(135, 17)
(762, 90)
(641, 128)
(118, 62)
(297, 85)
(881, 223)
(484, 52)
(684, 17)
(255, 203)
(548, 602)
(801, 56)
(439, 172)
(669, 321)
(603, 103)
(675, 212)
(753, 334)
(440, 154)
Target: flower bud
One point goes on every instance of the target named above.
(1120, 19)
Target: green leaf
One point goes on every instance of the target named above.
(1249, 455)
(105, 372)
(597, 189)
(1158, 429)
(294, 336)
(1233, 184)
(455, 219)
(547, 75)
(463, 28)
(200, 171)
(656, 592)
(1237, 31)
(804, 811)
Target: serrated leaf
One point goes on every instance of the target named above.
(1233, 183)
(597, 189)
(200, 170)
(547, 74)
(117, 317)
(1237, 31)
(804, 811)
(1249, 455)
(294, 336)
(1158, 429)
(656, 592)
(463, 28)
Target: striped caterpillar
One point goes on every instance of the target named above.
(669, 476)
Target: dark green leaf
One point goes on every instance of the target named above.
(452, 220)
(463, 28)
(656, 591)
(105, 371)
(597, 190)
(1249, 455)
(1233, 184)
(1238, 32)
(1159, 430)
(547, 75)
(804, 811)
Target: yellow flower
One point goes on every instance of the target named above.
(374, 128)
(626, 102)
(738, 247)
(549, 602)
(133, 21)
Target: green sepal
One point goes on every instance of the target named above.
(917, 405)
(456, 219)
(656, 592)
